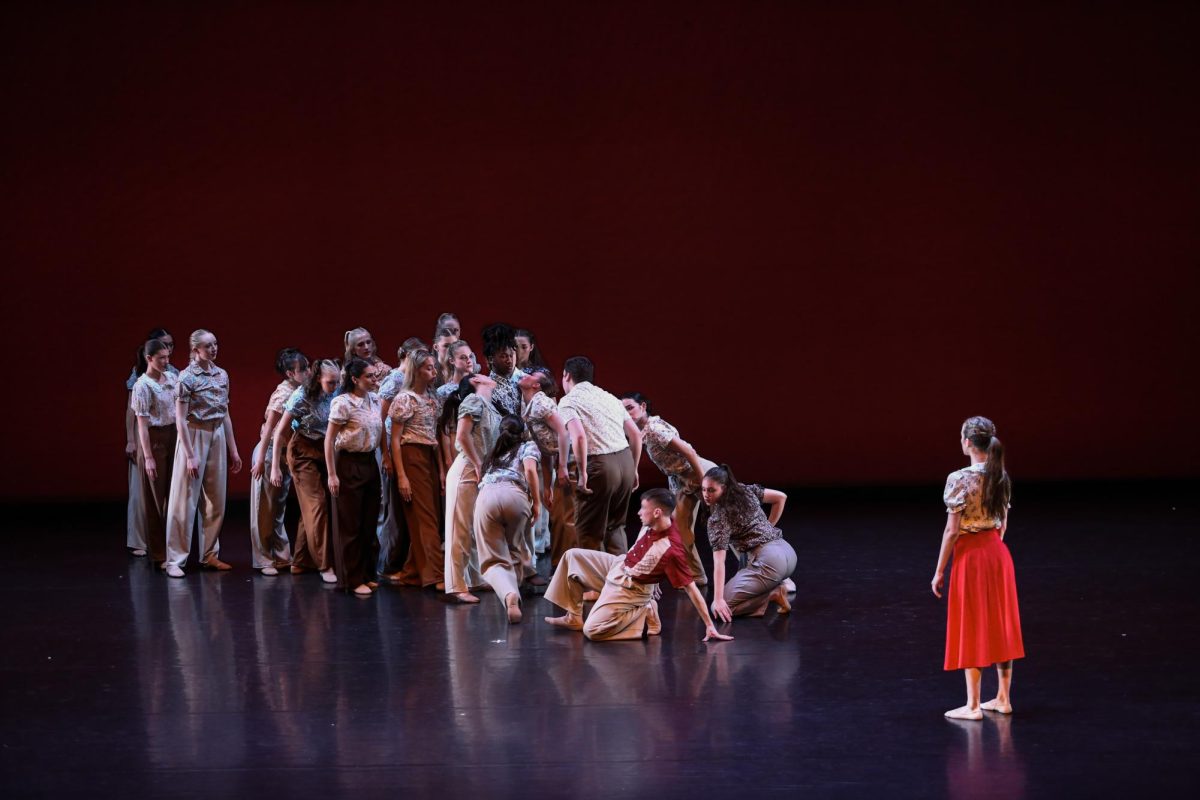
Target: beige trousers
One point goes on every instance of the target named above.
(502, 513)
(461, 568)
(624, 604)
(203, 495)
(135, 513)
(269, 546)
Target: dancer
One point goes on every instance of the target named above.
(983, 622)
(508, 498)
(417, 468)
(500, 350)
(152, 402)
(301, 434)
(269, 547)
(442, 339)
(390, 528)
(135, 520)
(548, 430)
(206, 446)
(361, 344)
(683, 467)
(607, 447)
(738, 521)
(449, 321)
(460, 363)
(478, 421)
(628, 584)
(351, 444)
(528, 355)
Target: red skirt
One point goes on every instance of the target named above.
(983, 624)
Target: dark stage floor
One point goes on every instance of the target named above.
(116, 679)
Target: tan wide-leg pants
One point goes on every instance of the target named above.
(135, 513)
(203, 495)
(269, 545)
(687, 505)
(156, 494)
(461, 567)
(562, 518)
(425, 563)
(501, 521)
(748, 591)
(306, 460)
(624, 605)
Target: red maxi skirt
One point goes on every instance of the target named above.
(983, 623)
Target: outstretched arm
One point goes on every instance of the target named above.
(710, 630)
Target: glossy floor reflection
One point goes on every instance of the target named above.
(117, 679)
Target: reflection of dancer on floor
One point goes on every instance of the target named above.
(628, 584)
(738, 520)
(983, 623)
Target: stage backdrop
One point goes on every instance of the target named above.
(816, 237)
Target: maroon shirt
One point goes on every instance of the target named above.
(657, 555)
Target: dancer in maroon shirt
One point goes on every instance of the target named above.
(628, 583)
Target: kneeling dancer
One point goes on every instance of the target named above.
(628, 584)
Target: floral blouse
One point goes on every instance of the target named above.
(656, 438)
(535, 414)
(738, 521)
(155, 400)
(964, 494)
(507, 394)
(133, 376)
(206, 392)
(484, 432)
(416, 415)
(512, 468)
(309, 419)
(361, 419)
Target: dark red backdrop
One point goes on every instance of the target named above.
(817, 237)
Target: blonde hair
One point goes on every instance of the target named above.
(352, 336)
(196, 337)
(411, 364)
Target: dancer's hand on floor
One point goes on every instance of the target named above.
(720, 610)
(711, 635)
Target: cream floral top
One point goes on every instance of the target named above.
(535, 413)
(155, 400)
(964, 494)
(601, 415)
(361, 419)
(416, 417)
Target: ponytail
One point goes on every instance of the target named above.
(511, 434)
(723, 475)
(997, 488)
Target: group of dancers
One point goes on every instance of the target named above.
(440, 475)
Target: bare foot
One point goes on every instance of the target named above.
(653, 621)
(572, 622)
(964, 712)
(512, 604)
(779, 597)
(466, 597)
(997, 706)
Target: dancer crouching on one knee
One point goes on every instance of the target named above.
(738, 520)
(508, 499)
(628, 584)
(983, 623)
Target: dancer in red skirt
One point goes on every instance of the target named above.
(983, 624)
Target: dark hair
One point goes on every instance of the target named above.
(288, 359)
(545, 382)
(410, 344)
(724, 475)
(312, 387)
(638, 398)
(997, 487)
(158, 333)
(580, 368)
(151, 347)
(663, 498)
(139, 360)
(510, 434)
(354, 369)
(535, 353)
(442, 332)
(496, 337)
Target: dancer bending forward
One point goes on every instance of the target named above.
(983, 623)
(628, 584)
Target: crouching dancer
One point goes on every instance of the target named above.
(628, 584)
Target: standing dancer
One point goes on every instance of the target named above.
(548, 430)
(500, 350)
(683, 467)
(269, 547)
(135, 520)
(738, 520)
(449, 321)
(351, 444)
(442, 339)
(529, 356)
(607, 447)
(390, 528)
(628, 585)
(417, 468)
(983, 622)
(152, 402)
(301, 434)
(508, 498)
(361, 344)
(205, 443)
(478, 421)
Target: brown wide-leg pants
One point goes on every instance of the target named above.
(424, 564)
(156, 494)
(600, 516)
(306, 460)
(355, 512)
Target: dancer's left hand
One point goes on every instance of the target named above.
(711, 635)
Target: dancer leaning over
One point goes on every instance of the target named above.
(628, 584)
(738, 521)
(983, 622)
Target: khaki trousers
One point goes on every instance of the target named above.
(624, 604)
(687, 507)
(501, 519)
(269, 545)
(155, 495)
(461, 566)
(135, 514)
(748, 591)
(600, 516)
(202, 497)
(562, 518)
(306, 461)
(425, 562)
(355, 512)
